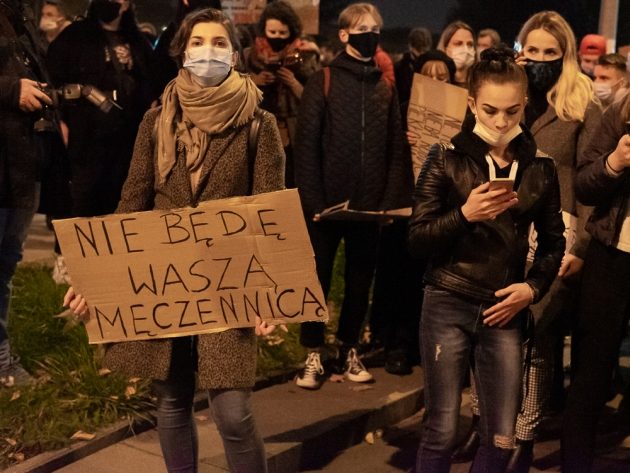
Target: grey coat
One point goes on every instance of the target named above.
(226, 359)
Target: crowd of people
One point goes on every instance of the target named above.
(519, 230)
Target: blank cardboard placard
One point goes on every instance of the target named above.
(169, 273)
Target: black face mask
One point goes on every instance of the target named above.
(277, 44)
(543, 75)
(105, 10)
(364, 43)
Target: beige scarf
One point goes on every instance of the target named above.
(191, 112)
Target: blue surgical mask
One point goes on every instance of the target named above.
(209, 65)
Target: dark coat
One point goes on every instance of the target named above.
(20, 157)
(350, 144)
(225, 359)
(595, 186)
(476, 259)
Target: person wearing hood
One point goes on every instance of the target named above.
(458, 42)
(474, 203)
(349, 147)
(280, 63)
(194, 148)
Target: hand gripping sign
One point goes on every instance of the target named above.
(170, 273)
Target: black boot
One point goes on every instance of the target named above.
(468, 448)
(522, 457)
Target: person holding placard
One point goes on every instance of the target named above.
(192, 149)
(475, 200)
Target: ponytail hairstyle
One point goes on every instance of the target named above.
(496, 65)
(573, 91)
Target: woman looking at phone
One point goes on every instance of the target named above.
(477, 289)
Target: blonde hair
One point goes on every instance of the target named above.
(351, 15)
(572, 93)
(450, 30)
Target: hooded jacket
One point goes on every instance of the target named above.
(350, 144)
(476, 259)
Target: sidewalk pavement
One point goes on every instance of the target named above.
(301, 428)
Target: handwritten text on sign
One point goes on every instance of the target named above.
(168, 273)
(435, 115)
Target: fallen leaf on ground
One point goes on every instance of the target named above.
(362, 387)
(19, 457)
(369, 438)
(104, 372)
(134, 380)
(130, 391)
(80, 435)
(16, 395)
(10, 441)
(336, 378)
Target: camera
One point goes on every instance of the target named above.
(71, 92)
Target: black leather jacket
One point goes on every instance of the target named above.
(476, 259)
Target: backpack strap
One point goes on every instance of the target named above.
(252, 146)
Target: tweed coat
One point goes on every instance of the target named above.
(225, 359)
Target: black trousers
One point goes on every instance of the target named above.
(397, 296)
(361, 248)
(603, 313)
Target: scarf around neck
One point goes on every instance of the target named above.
(191, 112)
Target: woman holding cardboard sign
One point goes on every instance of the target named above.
(196, 147)
(476, 237)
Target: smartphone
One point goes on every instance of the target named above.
(502, 183)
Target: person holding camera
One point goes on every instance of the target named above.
(22, 76)
(280, 63)
(105, 51)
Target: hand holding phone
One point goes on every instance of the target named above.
(501, 183)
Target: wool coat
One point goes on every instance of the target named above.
(226, 360)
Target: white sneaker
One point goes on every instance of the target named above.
(312, 376)
(355, 371)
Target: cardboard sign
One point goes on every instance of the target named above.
(436, 112)
(169, 273)
(249, 11)
(243, 11)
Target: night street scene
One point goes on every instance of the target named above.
(278, 236)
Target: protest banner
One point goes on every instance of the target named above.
(168, 273)
(436, 112)
(249, 11)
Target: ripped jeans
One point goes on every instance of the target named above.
(452, 328)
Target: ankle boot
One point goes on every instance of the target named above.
(467, 450)
(522, 457)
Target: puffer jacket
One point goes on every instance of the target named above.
(350, 144)
(476, 259)
(594, 186)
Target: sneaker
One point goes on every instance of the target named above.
(312, 376)
(355, 371)
(13, 374)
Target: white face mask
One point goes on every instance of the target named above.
(48, 24)
(493, 137)
(602, 90)
(463, 56)
(209, 65)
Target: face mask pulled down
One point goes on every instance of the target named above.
(364, 43)
(209, 65)
(493, 137)
(48, 24)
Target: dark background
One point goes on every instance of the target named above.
(506, 16)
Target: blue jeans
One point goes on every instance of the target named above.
(451, 329)
(231, 411)
(14, 225)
